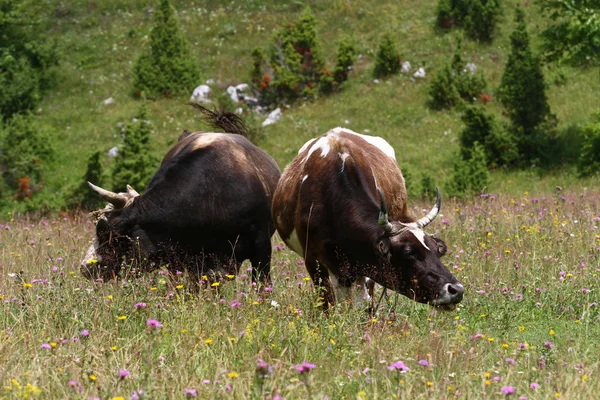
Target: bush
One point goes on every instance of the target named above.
(428, 190)
(346, 55)
(387, 60)
(167, 67)
(455, 83)
(477, 17)
(589, 161)
(293, 67)
(26, 58)
(134, 165)
(470, 174)
(82, 196)
(25, 150)
(498, 143)
(522, 92)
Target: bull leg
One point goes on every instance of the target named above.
(320, 277)
(261, 262)
(364, 293)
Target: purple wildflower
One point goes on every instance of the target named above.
(140, 305)
(424, 363)
(153, 324)
(510, 361)
(548, 345)
(137, 394)
(507, 390)
(45, 346)
(534, 385)
(304, 367)
(123, 373)
(398, 366)
(190, 392)
(85, 333)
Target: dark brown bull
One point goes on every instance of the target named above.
(330, 208)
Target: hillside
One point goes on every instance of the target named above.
(99, 42)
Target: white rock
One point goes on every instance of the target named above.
(108, 101)
(405, 67)
(420, 73)
(210, 81)
(273, 117)
(232, 92)
(113, 152)
(242, 87)
(375, 80)
(239, 111)
(201, 94)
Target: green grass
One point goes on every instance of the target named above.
(99, 42)
(529, 264)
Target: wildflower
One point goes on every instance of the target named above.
(27, 285)
(45, 346)
(534, 385)
(398, 366)
(92, 378)
(92, 261)
(114, 348)
(548, 344)
(190, 392)
(123, 373)
(235, 303)
(424, 363)
(304, 367)
(521, 328)
(206, 381)
(507, 390)
(208, 341)
(137, 394)
(140, 305)
(510, 361)
(153, 325)
(85, 333)
(551, 332)
(477, 336)
(214, 284)
(122, 317)
(118, 398)
(429, 383)
(179, 287)
(233, 375)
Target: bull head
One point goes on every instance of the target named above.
(118, 200)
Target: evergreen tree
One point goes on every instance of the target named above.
(470, 174)
(589, 161)
(522, 92)
(167, 67)
(81, 195)
(387, 60)
(134, 164)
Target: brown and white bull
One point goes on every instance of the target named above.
(330, 208)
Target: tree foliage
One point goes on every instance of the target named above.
(387, 59)
(82, 196)
(470, 175)
(589, 161)
(134, 164)
(478, 18)
(26, 58)
(167, 66)
(573, 33)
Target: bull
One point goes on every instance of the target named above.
(341, 204)
(206, 210)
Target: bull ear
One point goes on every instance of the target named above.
(382, 249)
(442, 248)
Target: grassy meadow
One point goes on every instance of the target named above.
(529, 321)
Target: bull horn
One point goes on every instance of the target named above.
(383, 221)
(132, 192)
(426, 220)
(116, 199)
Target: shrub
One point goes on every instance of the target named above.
(470, 175)
(26, 58)
(589, 161)
(134, 165)
(499, 145)
(455, 83)
(428, 190)
(522, 92)
(167, 67)
(82, 196)
(346, 55)
(387, 60)
(293, 67)
(477, 17)
(25, 150)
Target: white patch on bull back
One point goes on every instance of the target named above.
(294, 243)
(323, 144)
(343, 156)
(304, 178)
(376, 141)
(305, 146)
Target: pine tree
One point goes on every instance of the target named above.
(167, 67)
(81, 195)
(134, 164)
(387, 60)
(470, 174)
(522, 89)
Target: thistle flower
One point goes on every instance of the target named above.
(398, 366)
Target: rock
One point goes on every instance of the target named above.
(210, 81)
(239, 111)
(405, 67)
(273, 117)
(109, 101)
(242, 87)
(420, 73)
(201, 94)
(232, 92)
(113, 152)
(375, 80)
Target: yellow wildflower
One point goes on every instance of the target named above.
(233, 375)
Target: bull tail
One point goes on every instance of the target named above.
(223, 120)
